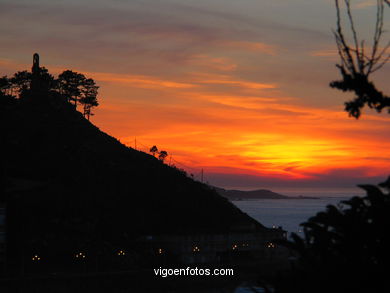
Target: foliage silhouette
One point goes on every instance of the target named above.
(70, 84)
(345, 248)
(162, 155)
(5, 90)
(21, 81)
(153, 150)
(88, 100)
(40, 84)
(357, 64)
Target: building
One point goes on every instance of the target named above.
(234, 246)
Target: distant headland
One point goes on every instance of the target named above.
(233, 194)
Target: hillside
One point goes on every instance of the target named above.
(70, 184)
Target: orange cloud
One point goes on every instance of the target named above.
(208, 78)
(262, 132)
(328, 53)
(228, 138)
(214, 63)
(252, 46)
(10, 66)
(138, 80)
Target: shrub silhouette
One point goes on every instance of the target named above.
(153, 150)
(162, 155)
(345, 248)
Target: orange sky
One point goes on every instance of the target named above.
(238, 90)
(256, 130)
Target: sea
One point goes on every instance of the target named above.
(290, 213)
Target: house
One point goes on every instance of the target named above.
(238, 245)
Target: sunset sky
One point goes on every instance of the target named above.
(236, 87)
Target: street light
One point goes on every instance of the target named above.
(80, 255)
(271, 245)
(36, 258)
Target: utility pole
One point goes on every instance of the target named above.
(135, 143)
(202, 176)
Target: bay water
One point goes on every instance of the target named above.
(290, 213)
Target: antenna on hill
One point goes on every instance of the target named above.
(201, 178)
(135, 143)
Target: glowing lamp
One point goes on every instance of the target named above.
(35, 258)
(80, 255)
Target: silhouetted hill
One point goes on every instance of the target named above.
(252, 194)
(256, 194)
(63, 175)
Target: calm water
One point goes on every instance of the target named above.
(289, 213)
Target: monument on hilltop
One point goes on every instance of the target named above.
(35, 78)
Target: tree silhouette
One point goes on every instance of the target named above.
(21, 82)
(162, 155)
(5, 86)
(79, 90)
(153, 150)
(6, 97)
(38, 84)
(358, 63)
(345, 248)
(88, 100)
(70, 85)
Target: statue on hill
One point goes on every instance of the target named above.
(35, 77)
(35, 67)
